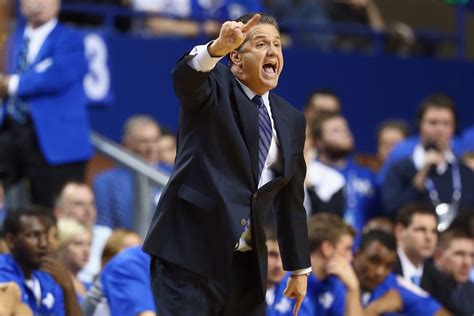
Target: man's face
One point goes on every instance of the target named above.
(437, 125)
(321, 104)
(167, 149)
(419, 238)
(458, 259)
(374, 264)
(259, 62)
(30, 245)
(344, 246)
(78, 203)
(275, 267)
(388, 138)
(336, 138)
(38, 12)
(143, 141)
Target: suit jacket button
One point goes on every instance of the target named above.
(243, 221)
(255, 195)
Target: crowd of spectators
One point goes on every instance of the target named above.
(398, 238)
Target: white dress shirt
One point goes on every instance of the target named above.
(36, 37)
(202, 61)
(408, 268)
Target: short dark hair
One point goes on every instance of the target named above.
(12, 223)
(327, 227)
(317, 124)
(386, 239)
(406, 213)
(436, 100)
(322, 91)
(400, 125)
(446, 237)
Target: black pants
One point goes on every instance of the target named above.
(21, 157)
(179, 292)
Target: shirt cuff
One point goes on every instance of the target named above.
(302, 271)
(201, 60)
(13, 85)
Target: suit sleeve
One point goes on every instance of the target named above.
(290, 213)
(65, 67)
(195, 89)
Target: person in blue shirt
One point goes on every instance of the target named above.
(333, 288)
(358, 191)
(373, 265)
(123, 287)
(44, 287)
(113, 188)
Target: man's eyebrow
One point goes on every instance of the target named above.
(263, 36)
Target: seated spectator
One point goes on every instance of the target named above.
(10, 301)
(44, 287)
(364, 12)
(416, 233)
(454, 257)
(389, 134)
(333, 288)
(379, 223)
(77, 201)
(167, 151)
(275, 286)
(311, 11)
(114, 188)
(350, 190)
(321, 102)
(120, 239)
(73, 251)
(432, 174)
(123, 287)
(373, 264)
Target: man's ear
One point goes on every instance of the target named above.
(326, 249)
(10, 240)
(235, 57)
(398, 230)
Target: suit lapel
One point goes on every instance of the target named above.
(282, 130)
(248, 117)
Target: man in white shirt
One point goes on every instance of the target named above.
(416, 234)
(240, 155)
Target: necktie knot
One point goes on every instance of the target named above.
(258, 100)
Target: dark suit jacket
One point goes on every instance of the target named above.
(213, 188)
(52, 87)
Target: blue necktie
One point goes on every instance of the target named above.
(264, 132)
(416, 279)
(17, 108)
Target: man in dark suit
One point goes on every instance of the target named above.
(44, 129)
(416, 233)
(240, 154)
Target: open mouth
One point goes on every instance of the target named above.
(270, 68)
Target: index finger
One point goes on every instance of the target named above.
(296, 309)
(253, 21)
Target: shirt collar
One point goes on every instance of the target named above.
(419, 154)
(408, 267)
(41, 31)
(250, 93)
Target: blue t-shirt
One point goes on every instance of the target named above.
(362, 195)
(323, 298)
(416, 302)
(51, 302)
(126, 283)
